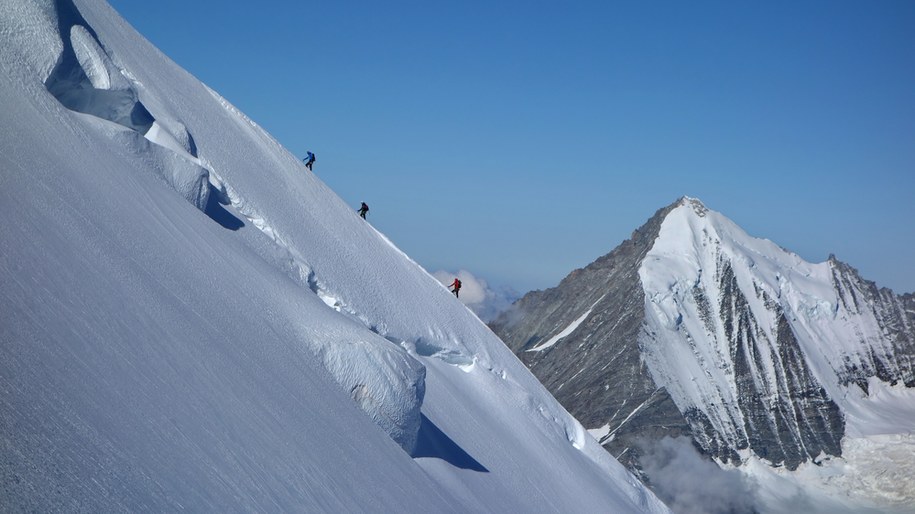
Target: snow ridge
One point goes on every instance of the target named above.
(193, 321)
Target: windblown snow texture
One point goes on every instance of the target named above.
(693, 327)
(193, 321)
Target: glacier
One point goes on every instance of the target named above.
(191, 320)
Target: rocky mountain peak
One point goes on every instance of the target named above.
(695, 204)
(694, 327)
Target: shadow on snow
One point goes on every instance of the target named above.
(432, 442)
(219, 214)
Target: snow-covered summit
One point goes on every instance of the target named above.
(715, 293)
(192, 320)
(693, 327)
(773, 357)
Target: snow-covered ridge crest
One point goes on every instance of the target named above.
(752, 342)
(194, 321)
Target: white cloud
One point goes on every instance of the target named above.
(691, 484)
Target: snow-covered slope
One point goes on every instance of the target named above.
(191, 320)
(695, 328)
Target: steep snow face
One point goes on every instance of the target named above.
(755, 345)
(192, 320)
(86, 81)
(33, 35)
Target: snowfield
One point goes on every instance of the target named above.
(191, 320)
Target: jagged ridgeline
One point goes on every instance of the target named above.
(692, 327)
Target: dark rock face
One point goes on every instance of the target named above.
(597, 372)
(598, 368)
(891, 358)
(792, 419)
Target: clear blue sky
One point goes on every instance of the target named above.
(520, 140)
